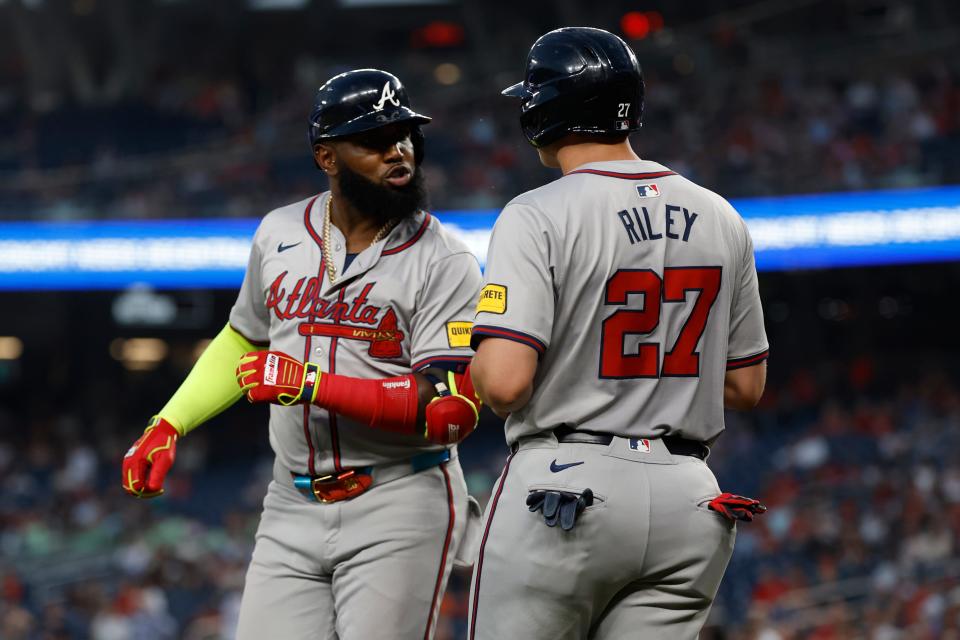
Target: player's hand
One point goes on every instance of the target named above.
(147, 462)
(272, 376)
(734, 507)
(450, 419)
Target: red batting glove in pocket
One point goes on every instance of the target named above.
(734, 507)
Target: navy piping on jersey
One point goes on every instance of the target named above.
(451, 363)
(747, 361)
(508, 334)
(483, 544)
(626, 176)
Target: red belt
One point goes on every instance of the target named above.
(335, 487)
(350, 483)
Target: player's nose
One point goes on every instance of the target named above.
(394, 153)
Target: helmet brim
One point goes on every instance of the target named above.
(516, 91)
(374, 120)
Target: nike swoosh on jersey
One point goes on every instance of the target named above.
(283, 247)
(560, 467)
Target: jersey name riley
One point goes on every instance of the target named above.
(639, 227)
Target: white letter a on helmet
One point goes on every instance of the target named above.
(386, 96)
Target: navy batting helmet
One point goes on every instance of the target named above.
(579, 80)
(361, 100)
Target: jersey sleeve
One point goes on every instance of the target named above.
(249, 316)
(517, 300)
(748, 339)
(440, 329)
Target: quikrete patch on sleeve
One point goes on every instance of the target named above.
(458, 333)
(493, 299)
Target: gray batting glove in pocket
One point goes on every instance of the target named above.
(559, 506)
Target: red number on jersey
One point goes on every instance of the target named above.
(683, 359)
(646, 362)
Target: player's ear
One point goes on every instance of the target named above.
(548, 157)
(325, 157)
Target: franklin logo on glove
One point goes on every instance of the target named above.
(270, 369)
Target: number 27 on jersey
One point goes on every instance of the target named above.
(682, 360)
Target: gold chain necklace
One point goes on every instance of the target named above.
(328, 255)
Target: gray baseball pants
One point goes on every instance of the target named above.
(374, 567)
(645, 561)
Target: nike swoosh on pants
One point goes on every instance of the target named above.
(560, 467)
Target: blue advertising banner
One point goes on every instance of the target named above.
(789, 232)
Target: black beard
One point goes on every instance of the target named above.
(383, 203)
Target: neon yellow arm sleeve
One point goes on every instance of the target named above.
(211, 387)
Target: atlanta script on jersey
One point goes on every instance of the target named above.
(391, 312)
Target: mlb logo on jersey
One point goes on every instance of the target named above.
(648, 190)
(640, 444)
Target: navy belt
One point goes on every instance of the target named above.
(674, 444)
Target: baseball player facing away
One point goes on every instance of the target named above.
(365, 303)
(619, 315)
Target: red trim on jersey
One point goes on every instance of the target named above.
(438, 587)
(508, 334)
(311, 465)
(747, 361)
(334, 435)
(306, 222)
(626, 176)
(413, 239)
(483, 542)
(426, 362)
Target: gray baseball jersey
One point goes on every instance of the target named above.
(639, 290)
(404, 304)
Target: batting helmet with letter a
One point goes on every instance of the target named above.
(579, 80)
(361, 100)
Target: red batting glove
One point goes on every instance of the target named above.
(273, 376)
(451, 418)
(147, 462)
(734, 507)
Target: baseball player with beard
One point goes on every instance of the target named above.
(353, 321)
(620, 314)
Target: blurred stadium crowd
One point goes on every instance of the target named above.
(214, 129)
(169, 109)
(859, 542)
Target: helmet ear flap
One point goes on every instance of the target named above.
(416, 137)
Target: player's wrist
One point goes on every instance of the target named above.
(164, 425)
(309, 385)
(311, 382)
(452, 415)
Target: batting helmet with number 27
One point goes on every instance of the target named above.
(579, 80)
